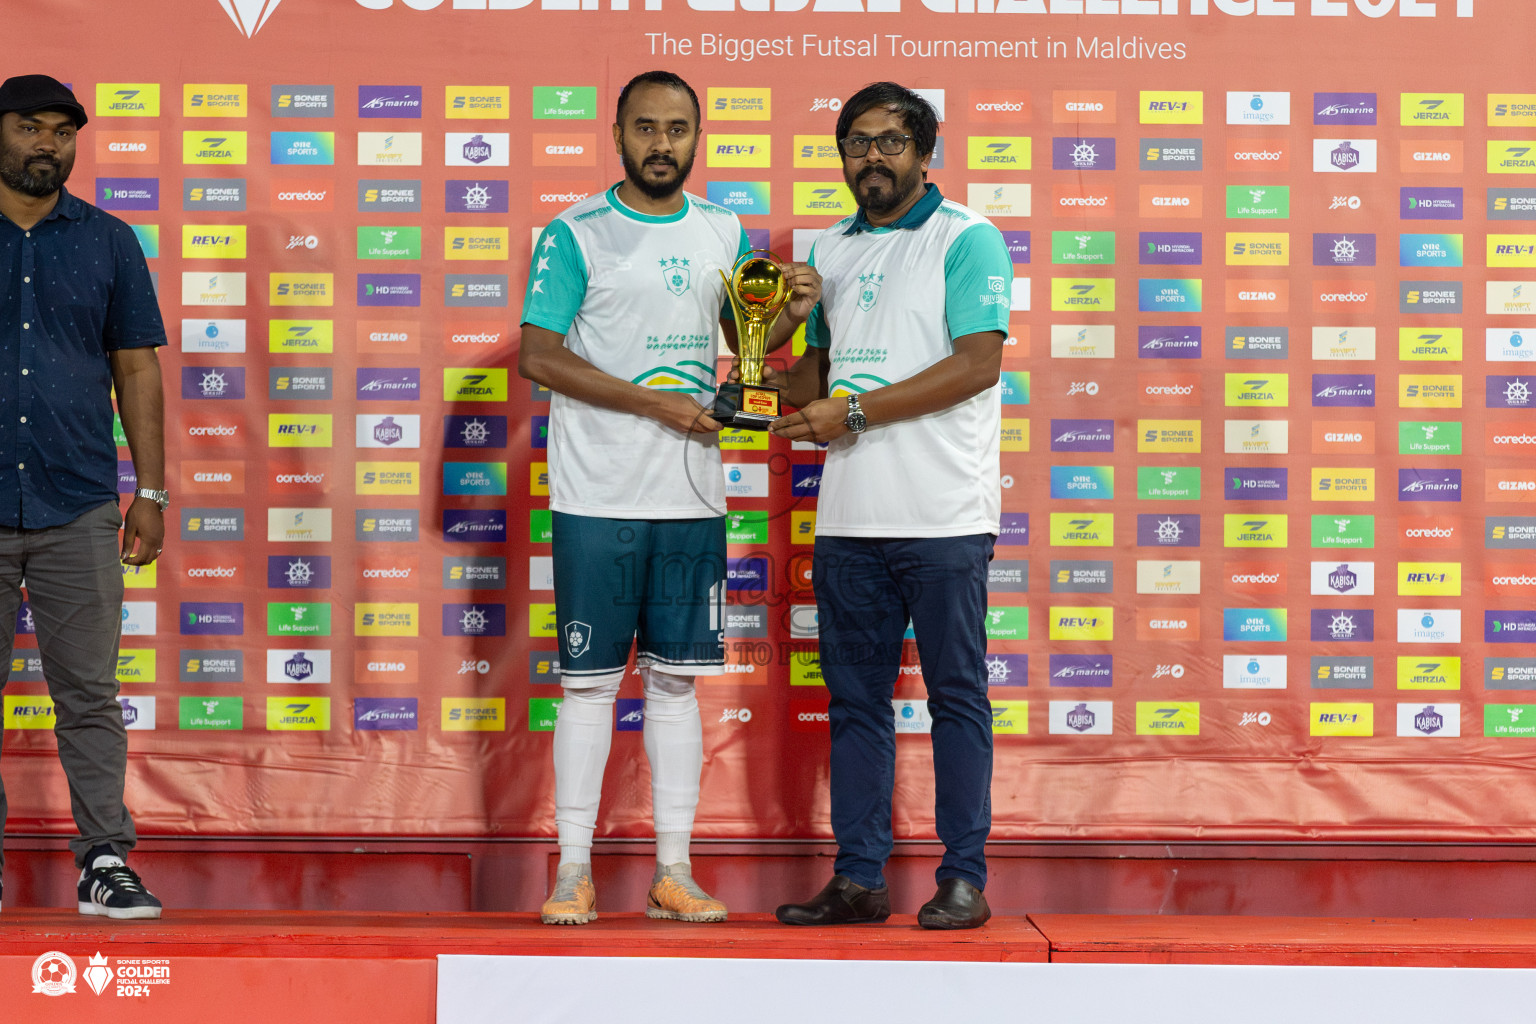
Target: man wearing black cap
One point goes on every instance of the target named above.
(78, 319)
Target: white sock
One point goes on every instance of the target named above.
(674, 744)
(672, 848)
(583, 734)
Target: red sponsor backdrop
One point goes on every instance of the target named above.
(1208, 737)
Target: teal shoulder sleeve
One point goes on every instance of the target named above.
(978, 281)
(557, 281)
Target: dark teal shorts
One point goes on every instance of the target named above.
(656, 584)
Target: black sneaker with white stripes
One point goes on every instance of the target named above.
(110, 888)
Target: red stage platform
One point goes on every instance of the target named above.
(382, 968)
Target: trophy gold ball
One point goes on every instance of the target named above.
(758, 293)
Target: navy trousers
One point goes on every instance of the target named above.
(866, 591)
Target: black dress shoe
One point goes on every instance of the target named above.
(957, 904)
(840, 902)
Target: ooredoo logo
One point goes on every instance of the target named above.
(1257, 154)
(1329, 296)
(249, 15)
(302, 194)
(999, 105)
(1085, 202)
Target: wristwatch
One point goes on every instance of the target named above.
(161, 498)
(855, 421)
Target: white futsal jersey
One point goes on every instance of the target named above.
(640, 298)
(893, 299)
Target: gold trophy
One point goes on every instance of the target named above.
(758, 293)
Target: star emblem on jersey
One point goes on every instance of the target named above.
(869, 290)
(675, 272)
(578, 638)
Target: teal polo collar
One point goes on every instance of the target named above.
(913, 218)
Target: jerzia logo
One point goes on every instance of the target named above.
(249, 15)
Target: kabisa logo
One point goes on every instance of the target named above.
(249, 15)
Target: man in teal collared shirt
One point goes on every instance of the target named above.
(900, 379)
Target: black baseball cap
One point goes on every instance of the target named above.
(27, 94)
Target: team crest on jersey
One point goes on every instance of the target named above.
(869, 290)
(675, 272)
(578, 638)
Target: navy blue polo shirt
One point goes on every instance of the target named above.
(72, 289)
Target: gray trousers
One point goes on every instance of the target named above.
(74, 580)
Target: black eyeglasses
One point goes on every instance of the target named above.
(858, 145)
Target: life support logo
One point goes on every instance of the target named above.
(249, 15)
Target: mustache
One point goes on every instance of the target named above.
(663, 161)
(870, 172)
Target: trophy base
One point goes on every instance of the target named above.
(746, 406)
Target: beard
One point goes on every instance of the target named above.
(39, 176)
(651, 188)
(885, 189)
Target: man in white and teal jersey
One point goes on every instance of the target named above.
(900, 378)
(619, 321)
